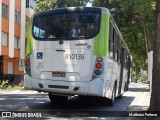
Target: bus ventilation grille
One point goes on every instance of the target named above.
(58, 86)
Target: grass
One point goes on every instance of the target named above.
(5, 85)
(14, 88)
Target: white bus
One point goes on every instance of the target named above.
(76, 51)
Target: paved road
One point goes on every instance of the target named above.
(134, 99)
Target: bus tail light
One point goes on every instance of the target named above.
(27, 65)
(99, 59)
(98, 65)
(97, 72)
(98, 68)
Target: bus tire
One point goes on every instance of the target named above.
(111, 101)
(57, 99)
(120, 96)
(84, 98)
(125, 87)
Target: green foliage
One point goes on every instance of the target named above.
(139, 76)
(43, 5)
(143, 76)
(135, 18)
(4, 84)
(71, 3)
(102, 3)
(17, 88)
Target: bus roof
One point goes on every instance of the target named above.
(69, 9)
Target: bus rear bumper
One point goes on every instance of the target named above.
(89, 88)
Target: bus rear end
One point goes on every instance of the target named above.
(61, 53)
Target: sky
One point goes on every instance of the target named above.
(89, 4)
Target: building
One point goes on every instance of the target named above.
(14, 19)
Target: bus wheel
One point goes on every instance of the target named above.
(111, 101)
(125, 87)
(57, 99)
(119, 97)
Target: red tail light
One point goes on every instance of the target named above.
(27, 63)
(98, 65)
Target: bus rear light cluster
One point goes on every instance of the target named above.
(27, 65)
(98, 69)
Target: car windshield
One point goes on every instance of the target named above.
(66, 26)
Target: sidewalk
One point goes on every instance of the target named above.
(142, 101)
(18, 92)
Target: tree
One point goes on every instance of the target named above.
(102, 3)
(135, 19)
(43, 5)
(155, 97)
(71, 3)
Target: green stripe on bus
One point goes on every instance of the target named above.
(101, 40)
(29, 47)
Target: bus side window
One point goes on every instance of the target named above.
(127, 61)
(125, 58)
(115, 45)
(111, 40)
(121, 52)
(118, 48)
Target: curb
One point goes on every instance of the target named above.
(17, 92)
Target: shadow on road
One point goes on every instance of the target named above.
(139, 89)
(91, 107)
(89, 104)
(74, 107)
(40, 101)
(11, 102)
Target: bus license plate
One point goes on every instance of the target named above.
(58, 74)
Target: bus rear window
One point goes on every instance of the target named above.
(66, 26)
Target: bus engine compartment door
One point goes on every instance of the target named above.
(68, 65)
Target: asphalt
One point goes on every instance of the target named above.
(139, 90)
(141, 102)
